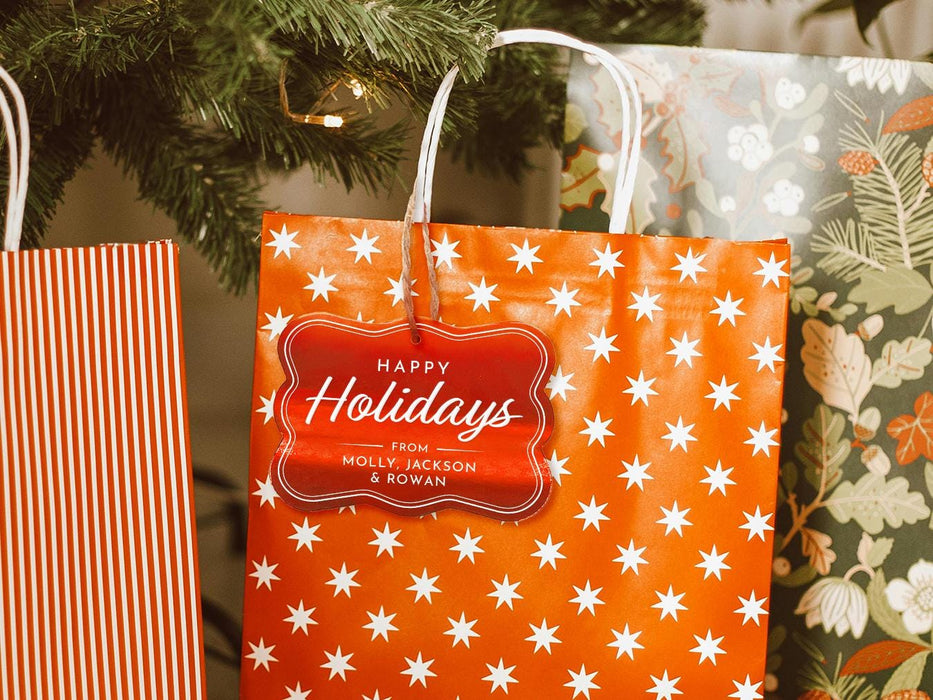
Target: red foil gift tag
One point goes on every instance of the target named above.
(456, 421)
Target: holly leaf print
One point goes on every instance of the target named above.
(914, 433)
(682, 146)
(835, 365)
(873, 502)
(579, 182)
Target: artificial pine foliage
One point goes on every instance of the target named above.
(184, 94)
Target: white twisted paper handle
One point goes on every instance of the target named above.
(17, 132)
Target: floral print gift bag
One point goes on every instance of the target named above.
(603, 531)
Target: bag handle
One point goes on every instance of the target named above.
(18, 147)
(631, 134)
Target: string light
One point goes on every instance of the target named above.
(356, 87)
(328, 121)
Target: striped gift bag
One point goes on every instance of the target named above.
(98, 559)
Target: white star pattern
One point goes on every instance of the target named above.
(305, 535)
(461, 630)
(756, 524)
(766, 354)
(679, 434)
(300, 617)
(761, 440)
(549, 552)
(665, 687)
(364, 247)
(445, 252)
(771, 271)
(669, 603)
(266, 410)
(707, 647)
(320, 285)
(505, 592)
(746, 690)
(626, 642)
(630, 557)
(500, 676)
(591, 514)
(375, 696)
(684, 350)
(563, 300)
(718, 478)
(277, 323)
(525, 257)
(582, 682)
(380, 624)
(297, 693)
(543, 636)
(722, 393)
(587, 598)
(727, 309)
(338, 664)
(423, 586)
(674, 519)
(640, 388)
(261, 654)
(466, 546)
(556, 466)
(636, 473)
(559, 384)
(607, 261)
(713, 563)
(602, 345)
(419, 670)
(264, 573)
(645, 305)
(283, 242)
(482, 294)
(396, 291)
(266, 492)
(386, 541)
(343, 580)
(597, 429)
(689, 265)
(751, 608)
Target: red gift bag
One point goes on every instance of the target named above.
(644, 569)
(98, 557)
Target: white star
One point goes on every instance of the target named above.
(556, 466)
(751, 609)
(266, 492)
(640, 388)
(587, 598)
(423, 586)
(321, 285)
(364, 247)
(597, 429)
(689, 265)
(549, 552)
(767, 354)
(771, 271)
(713, 563)
(625, 642)
(525, 257)
(461, 630)
(727, 309)
(305, 536)
(602, 345)
(722, 393)
(445, 251)
(756, 524)
(669, 603)
(300, 617)
(563, 300)
(338, 664)
(420, 670)
(386, 540)
(707, 647)
(283, 242)
(674, 519)
(559, 384)
(630, 557)
(266, 410)
(746, 690)
(466, 546)
(380, 624)
(276, 323)
(607, 261)
(505, 592)
(343, 580)
(684, 350)
(761, 440)
(664, 688)
(482, 294)
(395, 290)
(500, 676)
(718, 478)
(591, 514)
(264, 574)
(297, 693)
(582, 682)
(261, 654)
(636, 473)
(679, 434)
(644, 304)
(543, 636)
(375, 696)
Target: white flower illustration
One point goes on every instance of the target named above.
(788, 94)
(784, 198)
(811, 144)
(749, 145)
(838, 605)
(880, 73)
(913, 598)
(727, 203)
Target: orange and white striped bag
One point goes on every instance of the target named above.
(644, 572)
(98, 558)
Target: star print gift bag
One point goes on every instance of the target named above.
(562, 489)
(98, 559)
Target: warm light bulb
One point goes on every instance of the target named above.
(332, 121)
(357, 88)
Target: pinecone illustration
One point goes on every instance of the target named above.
(927, 168)
(857, 162)
(906, 695)
(815, 695)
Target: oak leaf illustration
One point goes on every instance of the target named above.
(914, 433)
